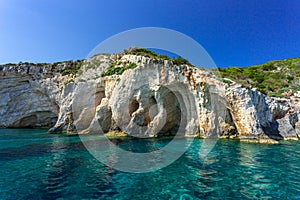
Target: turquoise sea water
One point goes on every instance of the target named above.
(36, 165)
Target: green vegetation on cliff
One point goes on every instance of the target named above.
(275, 78)
(280, 78)
(118, 69)
(151, 54)
(64, 67)
(72, 67)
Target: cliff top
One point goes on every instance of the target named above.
(280, 78)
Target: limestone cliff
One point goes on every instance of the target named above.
(141, 96)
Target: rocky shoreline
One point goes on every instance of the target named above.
(141, 96)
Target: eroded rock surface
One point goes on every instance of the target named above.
(155, 98)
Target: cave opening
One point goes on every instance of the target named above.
(36, 120)
(171, 104)
(133, 106)
(99, 95)
(151, 111)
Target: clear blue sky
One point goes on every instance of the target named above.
(234, 32)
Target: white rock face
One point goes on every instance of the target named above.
(26, 103)
(155, 98)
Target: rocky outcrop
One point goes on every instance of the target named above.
(27, 100)
(257, 116)
(153, 99)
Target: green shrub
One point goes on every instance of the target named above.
(269, 78)
(268, 66)
(142, 52)
(180, 61)
(118, 70)
(72, 67)
(296, 89)
(151, 54)
(290, 78)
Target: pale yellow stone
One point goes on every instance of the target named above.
(116, 134)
